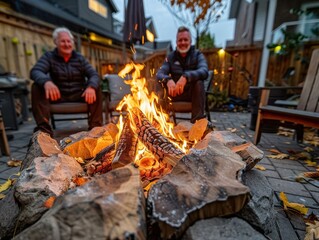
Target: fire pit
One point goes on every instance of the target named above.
(143, 178)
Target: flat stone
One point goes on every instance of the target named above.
(222, 229)
(259, 212)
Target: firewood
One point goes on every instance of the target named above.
(102, 161)
(126, 148)
(158, 144)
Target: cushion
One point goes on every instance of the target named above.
(118, 88)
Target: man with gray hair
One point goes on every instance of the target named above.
(63, 75)
(183, 73)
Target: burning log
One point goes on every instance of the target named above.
(159, 145)
(102, 162)
(126, 148)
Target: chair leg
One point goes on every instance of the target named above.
(208, 113)
(258, 129)
(4, 140)
(53, 121)
(299, 133)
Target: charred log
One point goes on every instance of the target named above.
(159, 145)
(126, 148)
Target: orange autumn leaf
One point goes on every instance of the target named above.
(290, 205)
(49, 202)
(278, 156)
(311, 174)
(272, 150)
(259, 167)
(14, 163)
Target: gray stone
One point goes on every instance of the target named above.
(9, 209)
(110, 206)
(222, 229)
(47, 176)
(259, 212)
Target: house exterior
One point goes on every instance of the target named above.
(261, 23)
(26, 27)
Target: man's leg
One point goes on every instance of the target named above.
(40, 109)
(95, 109)
(198, 101)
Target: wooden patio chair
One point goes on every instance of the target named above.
(307, 111)
(68, 108)
(114, 93)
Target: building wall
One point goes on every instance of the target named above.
(90, 16)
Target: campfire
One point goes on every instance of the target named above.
(143, 136)
(142, 178)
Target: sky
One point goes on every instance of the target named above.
(166, 25)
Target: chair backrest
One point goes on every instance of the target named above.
(209, 81)
(309, 98)
(117, 87)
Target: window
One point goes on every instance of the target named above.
(311, 17)
(98, 8)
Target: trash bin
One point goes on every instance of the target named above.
(13, 96)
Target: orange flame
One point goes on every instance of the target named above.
(148, 103)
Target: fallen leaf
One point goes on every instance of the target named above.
(49, 202)
(303, 156)
(312, 231)
(311, 218)
(308, 149)
(311, 163)
(272, 150)
(6, 185)
(289, 205)
(2, 196)
(14, 163)
(259, 167)
(278, 156)
(311, 174)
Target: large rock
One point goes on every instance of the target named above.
(46, 177)
(203, 184)
(222, 229)
(259, 212)
(41, 145)
(111, 206)
(9, 212)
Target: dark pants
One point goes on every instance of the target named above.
(194, 92)
(41, 107)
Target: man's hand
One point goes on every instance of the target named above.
(175, 89)
(180, 85)
(171, 86)
(89, 95)
(52, 92)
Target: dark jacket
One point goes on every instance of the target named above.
(70, 77)
(193, 66)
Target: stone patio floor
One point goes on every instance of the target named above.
(280, 173)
